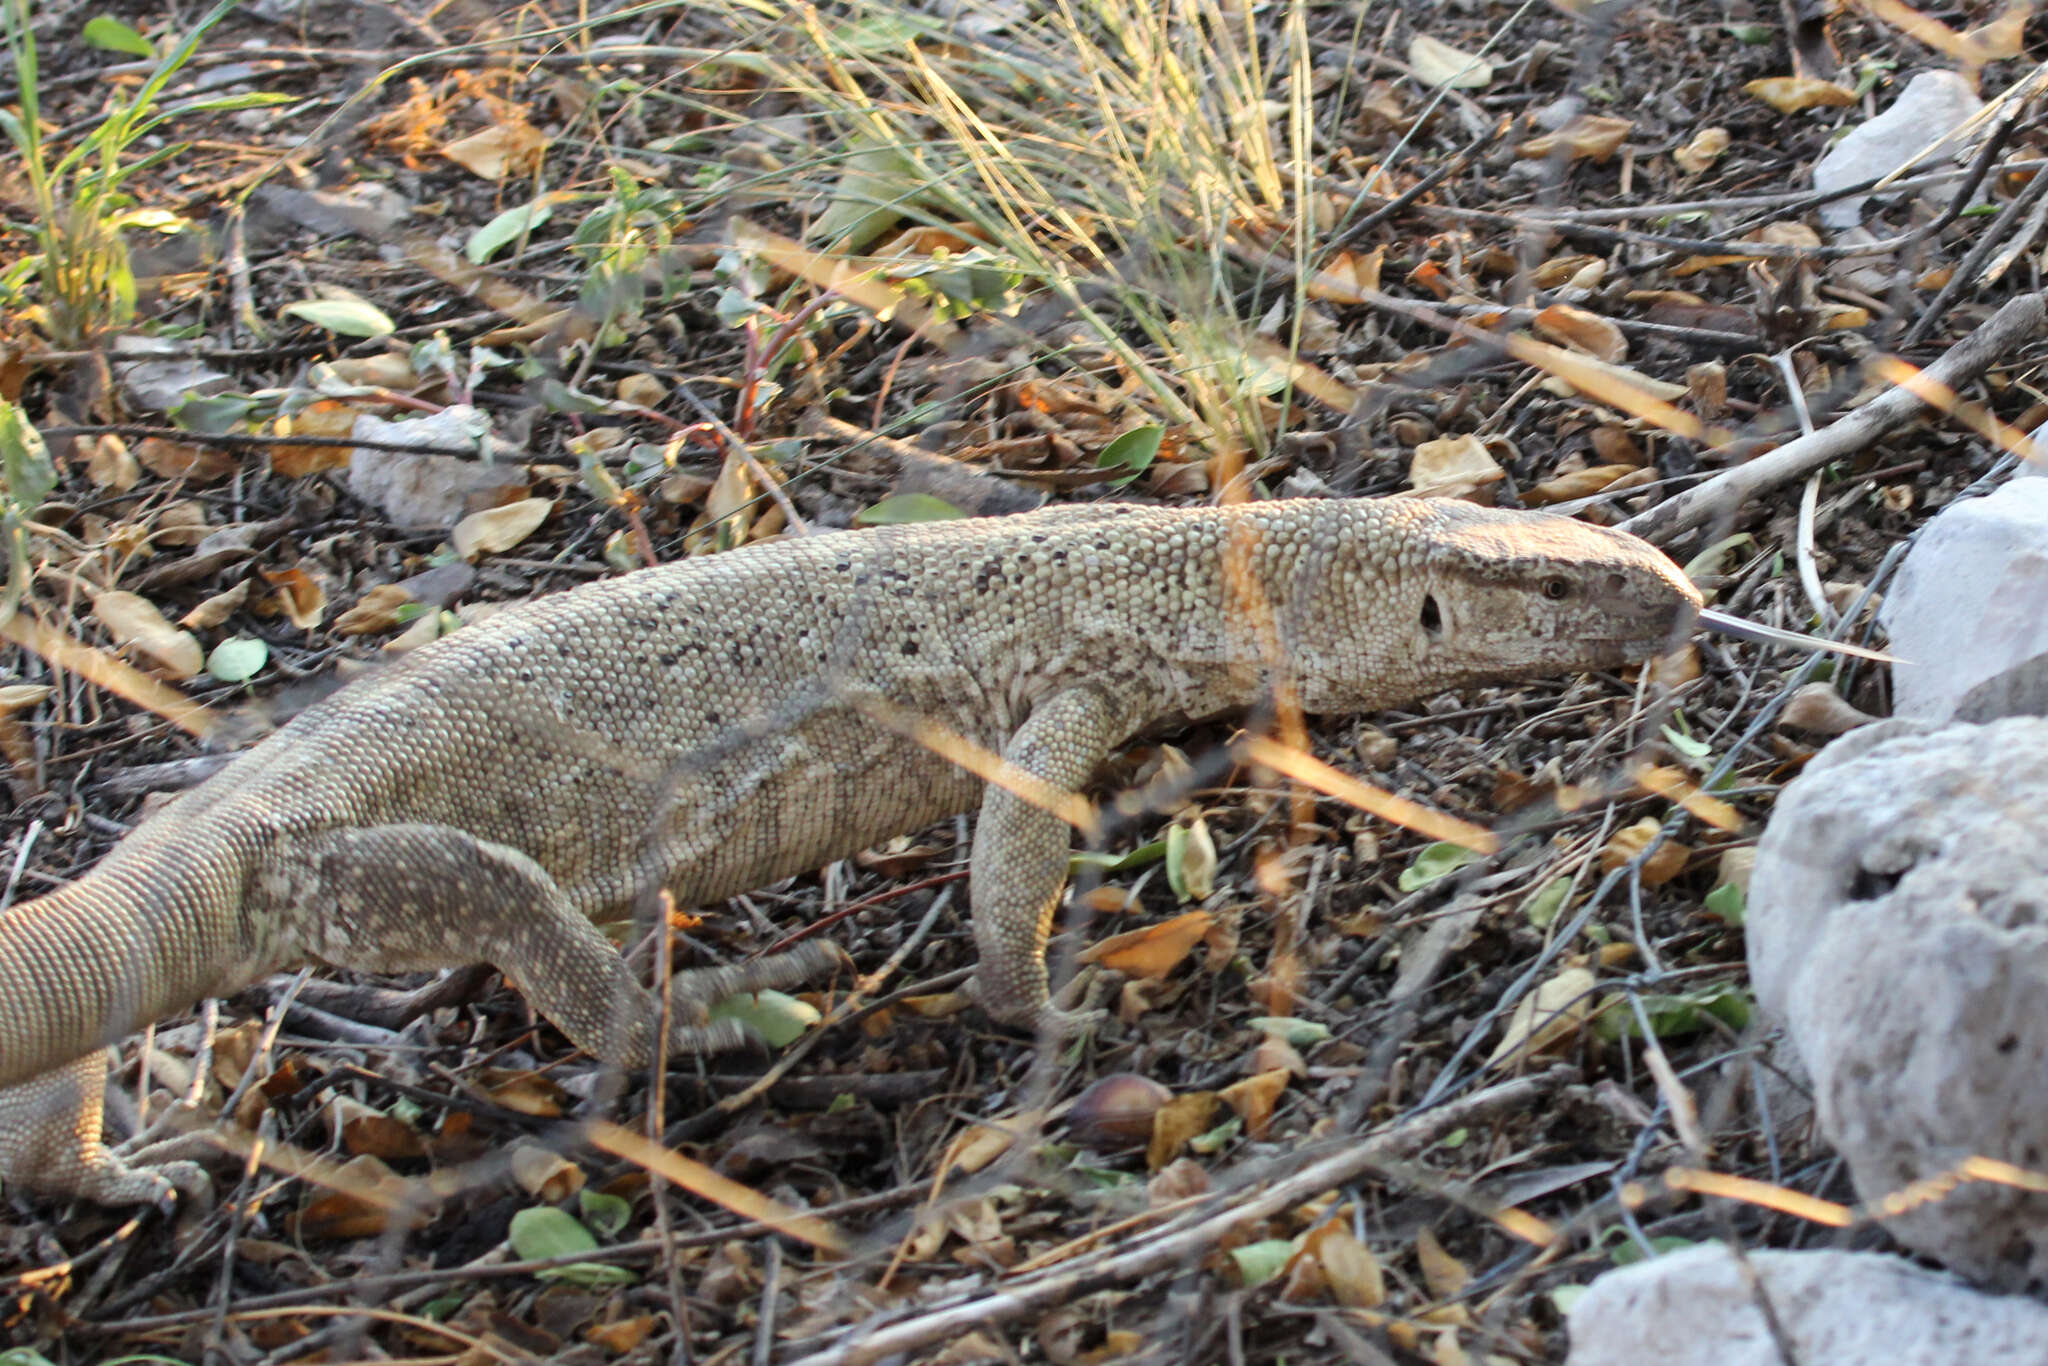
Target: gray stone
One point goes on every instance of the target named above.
(1933, 103)
(1968, 602)
(1898, 928)
(1696, 1308)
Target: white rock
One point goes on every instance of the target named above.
(426, 490)
(1694, 1308)
(1969, 599)
(1898, 928)
(1932, 103)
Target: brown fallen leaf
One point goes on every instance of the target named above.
(134, 621)
(1153, 951)
(499, 528)
(1255, 1098)
(1179, 1122)
(1790, 94)
(1590, 136)
(180, 460)
(1547, 1018)
(299, 596)
(377, 610)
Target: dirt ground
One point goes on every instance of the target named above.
(702, 271)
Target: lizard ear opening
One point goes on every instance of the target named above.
(1432, 615)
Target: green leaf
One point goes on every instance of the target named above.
(545, 1231)
(1133, 452)
(1686, 745)
(1565, 1296)
(900, 508)
(350, 317)
(1673, 1017)
(1298, 1033)
(1728, 902)
(212, 414)
(1435, 861)
(608, 1214)
(1543, 907)
(238, 660)
(1117, 863)
(115, 36)
(26, 472)
(779, 1018)
(1260, 1262)
(1629, 1251)
(507, 228)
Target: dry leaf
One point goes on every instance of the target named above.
(110, 464)
(326, 417)
(511, 148)
(212, 611)
(544, 1173)
(1583, 331)
(623, 1335)
(1578, 484)
(1255, 1097)
(1667, 863)
(1546, 1018)
(1452, 467)
(984, 1143)
(1437, 63)
(1353, 1274)
(1179, 1122)
(1703, 151)
(1154, 951)
(178, 460)
(182, 523)
(1598, 136)
(365, 1130)
(387, 370)
(1790, 94)
(1444, 1274)
(360, 1205)
(642, 391)
(1346, 277)
(377, 610)
(499, 528)
(1674, 786)
(299, 596)
(1558, 271)
(133, 620)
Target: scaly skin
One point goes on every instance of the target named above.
(714, 725)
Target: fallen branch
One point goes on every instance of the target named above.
(2013, 326)
(1188, 1245)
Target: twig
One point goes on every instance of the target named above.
(1353, 1159)
(2021, 321)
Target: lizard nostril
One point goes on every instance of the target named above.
(1432, 615)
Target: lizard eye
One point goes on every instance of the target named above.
(1557, 590)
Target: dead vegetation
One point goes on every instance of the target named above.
(684, 277)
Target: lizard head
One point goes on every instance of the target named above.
(1508, 595)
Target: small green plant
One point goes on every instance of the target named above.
(83, 209)
(26, 478)
(621, 240)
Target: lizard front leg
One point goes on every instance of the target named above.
(1019, 861)
(409, 896)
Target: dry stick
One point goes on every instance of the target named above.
(1185, 1246)
(2021, 321)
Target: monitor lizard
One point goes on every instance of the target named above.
(714, 725)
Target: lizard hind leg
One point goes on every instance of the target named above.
(404, 897)
(50, 1142)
